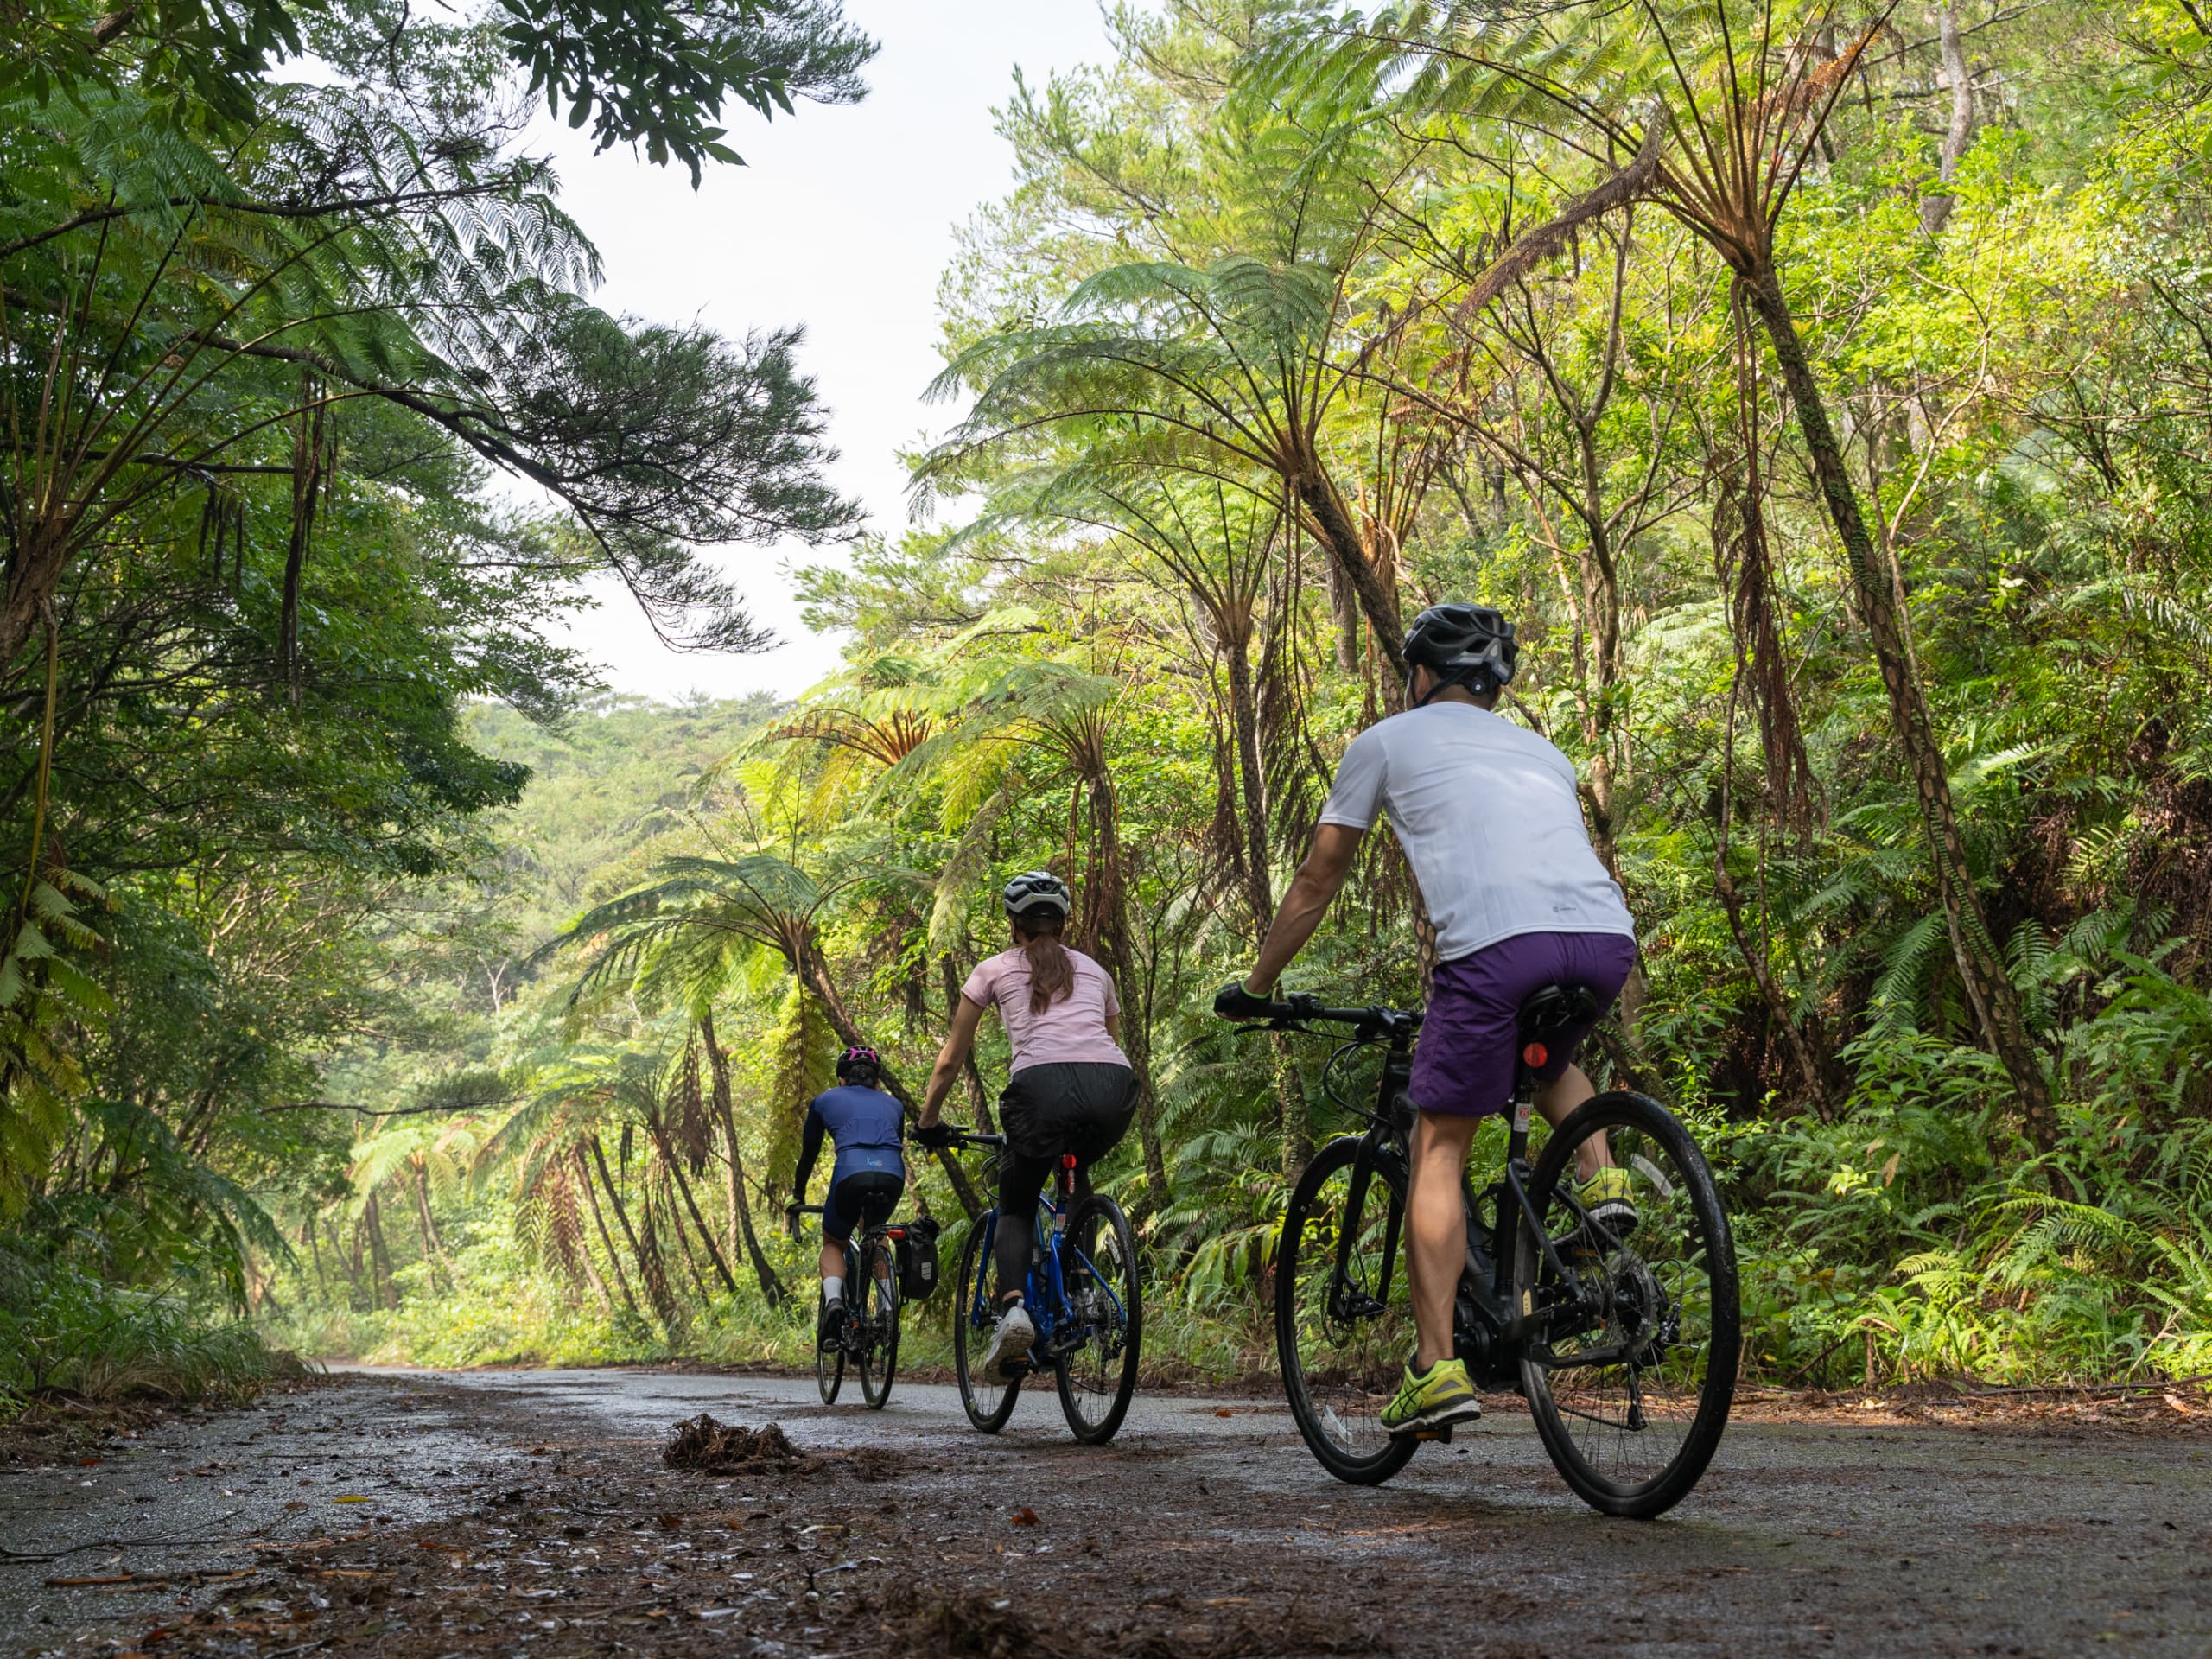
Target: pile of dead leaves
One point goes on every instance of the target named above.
(716, 1448)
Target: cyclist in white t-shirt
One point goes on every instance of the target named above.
(1489, 816)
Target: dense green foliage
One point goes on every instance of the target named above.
(1822, 390)
(280, 287)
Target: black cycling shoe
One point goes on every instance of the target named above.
(831, 1326)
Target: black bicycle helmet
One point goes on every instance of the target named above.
(1463, 645)
(856, 1062)
(1037, 890)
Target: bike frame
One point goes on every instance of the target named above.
(879, 1235)
(1044, 1286)
(1502, 1335)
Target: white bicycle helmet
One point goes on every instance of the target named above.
(1037, 890)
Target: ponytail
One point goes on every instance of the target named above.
(1052, 971)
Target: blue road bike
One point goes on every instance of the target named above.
(1083, 1290)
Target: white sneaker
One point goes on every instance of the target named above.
(1010, 1344)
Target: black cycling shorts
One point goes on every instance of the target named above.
(1079, 1106)
(860, 1200)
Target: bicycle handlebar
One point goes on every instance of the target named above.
(1290, 1014)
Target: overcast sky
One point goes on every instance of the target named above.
(842, 221)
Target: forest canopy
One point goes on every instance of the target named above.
(1822, 390)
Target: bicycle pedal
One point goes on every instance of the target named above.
(1441, 1435)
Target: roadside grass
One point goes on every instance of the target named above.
(67, 1335)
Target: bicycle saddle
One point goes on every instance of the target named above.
(1555, 1009)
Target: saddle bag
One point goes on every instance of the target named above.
(917, 1259)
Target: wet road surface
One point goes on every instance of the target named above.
(1205, 1529)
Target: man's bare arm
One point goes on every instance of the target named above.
(1318, 882)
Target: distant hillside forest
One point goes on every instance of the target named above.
(1825, 393)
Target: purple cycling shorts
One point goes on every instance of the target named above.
(1464, 1065)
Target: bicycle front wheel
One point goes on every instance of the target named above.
(1343, 1317)
(1098, 1262)
(987, 1400)
(1632, 1369)
(879, 1355)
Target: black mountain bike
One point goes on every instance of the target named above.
(1084, 1293)
(868, 1334)
(1623, 1339)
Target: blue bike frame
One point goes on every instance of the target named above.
(1045, 1297)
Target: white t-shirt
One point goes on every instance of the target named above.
(1487, 813)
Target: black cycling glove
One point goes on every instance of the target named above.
(1233, 1001)
(935, 1135)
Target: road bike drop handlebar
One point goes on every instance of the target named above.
(1234, 1002)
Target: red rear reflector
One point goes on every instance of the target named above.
(1067, 1160)
(894, 1232)
(1534, 1054)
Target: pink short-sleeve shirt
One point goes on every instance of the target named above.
(1072, 1028)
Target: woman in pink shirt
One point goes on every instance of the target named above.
(1071, 1091)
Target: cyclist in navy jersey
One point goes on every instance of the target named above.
(868, 1175)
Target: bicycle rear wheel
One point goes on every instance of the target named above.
(988, 1401)
(1629, 1380)
(829, 1367)
(1098, 1259)
(879, 1355)
(1343, 1318)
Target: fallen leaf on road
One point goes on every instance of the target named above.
(1024, 1516)
(350, 1498)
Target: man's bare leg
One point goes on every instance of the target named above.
(1436, 1229)
(1561, 1095)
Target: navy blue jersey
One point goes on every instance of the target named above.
(863, 1123)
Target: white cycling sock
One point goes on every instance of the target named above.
(833, 1288)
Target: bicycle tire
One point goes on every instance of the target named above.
(986, 1413)
(1342, 1445)
(1095, 1410)
(829, 1368)
(879, 1355)
(1704, 1291)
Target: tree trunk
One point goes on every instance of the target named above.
(1936, 208)
(434, 1256)
(307, 488)
(683, 1251)
(649, 1271)
(33, 574)
(598, 1221)
(815, 974)
(307, 1232)
(741, 1206)
(1252, 797)
(1340, 541)
(659, 1129)
(1295, 1132)
(379, 1257)
(1981, 967)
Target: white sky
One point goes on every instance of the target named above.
(843, 219)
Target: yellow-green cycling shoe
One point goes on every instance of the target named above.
(1438, 1396)
(1609, 1199)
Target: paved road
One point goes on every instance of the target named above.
(1821, 1539)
